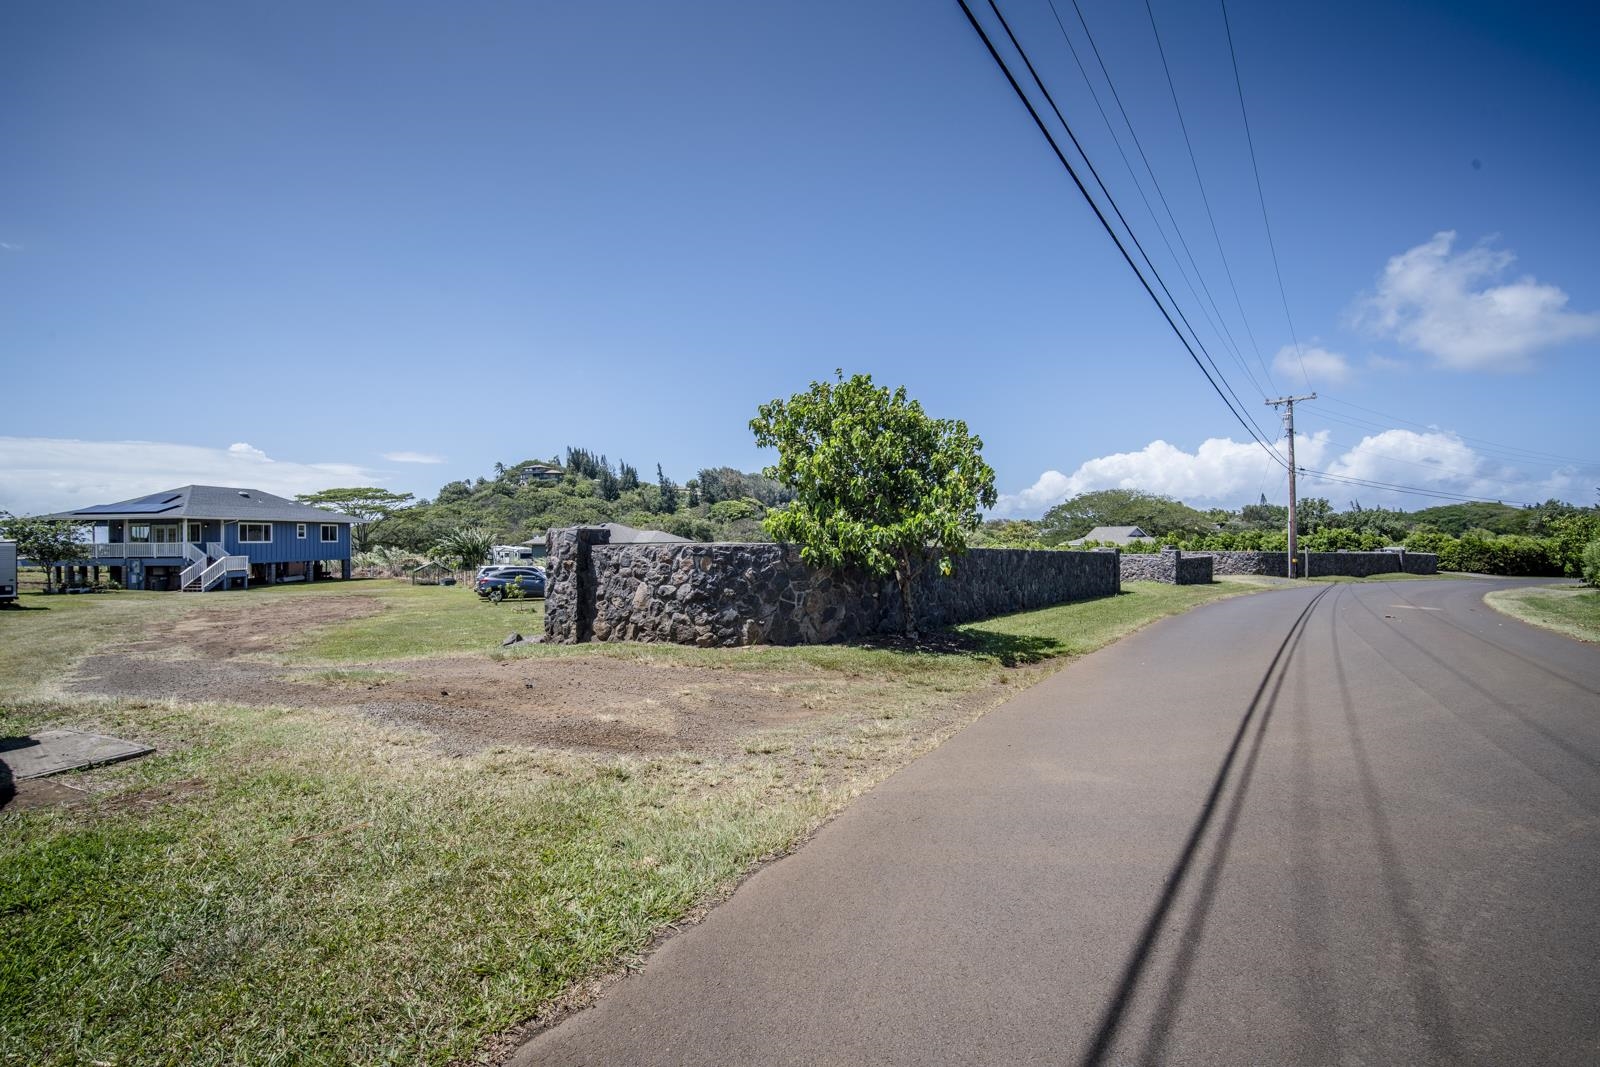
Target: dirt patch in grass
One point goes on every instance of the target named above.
(472, 703)
(261, 625)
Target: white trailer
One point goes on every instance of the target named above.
(8, 573)
(511, 555)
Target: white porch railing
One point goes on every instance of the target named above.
(133, 550)
(224, 566)
(193, 570)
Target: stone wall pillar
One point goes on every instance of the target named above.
(569, 597)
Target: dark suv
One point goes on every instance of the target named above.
(495, 586)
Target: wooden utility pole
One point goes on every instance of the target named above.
(1288, 403)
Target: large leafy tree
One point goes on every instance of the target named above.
(1158, 516)
(45, 541)
(878, 484)
(366, 504)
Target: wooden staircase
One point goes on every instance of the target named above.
(208, 569)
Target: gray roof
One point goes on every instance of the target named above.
(206, 502)
(1116, 535)
(628, 535)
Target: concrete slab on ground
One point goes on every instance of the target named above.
(54, 751)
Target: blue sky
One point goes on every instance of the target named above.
(302, 245)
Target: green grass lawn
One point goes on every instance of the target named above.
(1571, 610)
(310, 886)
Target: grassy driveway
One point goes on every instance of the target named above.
(316, 884)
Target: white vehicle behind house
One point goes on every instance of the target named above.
(511, 555)
(8, 573)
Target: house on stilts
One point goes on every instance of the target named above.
(204, 537)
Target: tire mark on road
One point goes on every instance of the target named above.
(1133, 971)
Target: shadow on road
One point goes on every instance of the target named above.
(1259, 711)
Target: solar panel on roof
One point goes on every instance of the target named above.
(154, 504)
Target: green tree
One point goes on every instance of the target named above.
(1311, 513)
(1590, 564)
(1007, 533)
(669, 492)
(727, 511)
(45, 541)
(1158, 516)
(366, 504)
(878, 484)
(627, 477)
(464, 547)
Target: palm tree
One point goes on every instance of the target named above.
(464, 548)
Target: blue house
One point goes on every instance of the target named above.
(203, 537)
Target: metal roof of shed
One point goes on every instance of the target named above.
(632, 535)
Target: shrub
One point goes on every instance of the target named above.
(726, 511)
(1591, 563)
(689, 526)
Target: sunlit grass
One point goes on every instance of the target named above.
(288, 886)
(1571, 610)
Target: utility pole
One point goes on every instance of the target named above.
(1288, 403)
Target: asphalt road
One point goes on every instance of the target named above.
(1334, 824)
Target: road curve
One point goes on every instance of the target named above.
(1333, 824)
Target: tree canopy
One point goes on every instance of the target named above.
(878, 484)
(44, 541)
(366, 504)
(1156, 515)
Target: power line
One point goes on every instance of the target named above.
(1435, 468)
(1261, 196)
(1204, 199)
(1484, 442)
(1362, 425)
(1100, 215)
(1410, 489)
(1127, 226)
(1219, 323)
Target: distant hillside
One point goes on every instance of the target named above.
(520, 502)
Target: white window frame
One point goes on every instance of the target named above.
(267, 540)
(138, 533)
(300, 530)
(330, 526)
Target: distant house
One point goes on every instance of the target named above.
(536, 474)
(1113, 535)
(203, 537)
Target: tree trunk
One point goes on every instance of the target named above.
(908, 614)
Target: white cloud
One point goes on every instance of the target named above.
(1428, 298)
(42, 474)
(1321, 366)
(412, 457)
(1220, 470)
(10, 247)
(1227, 473)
